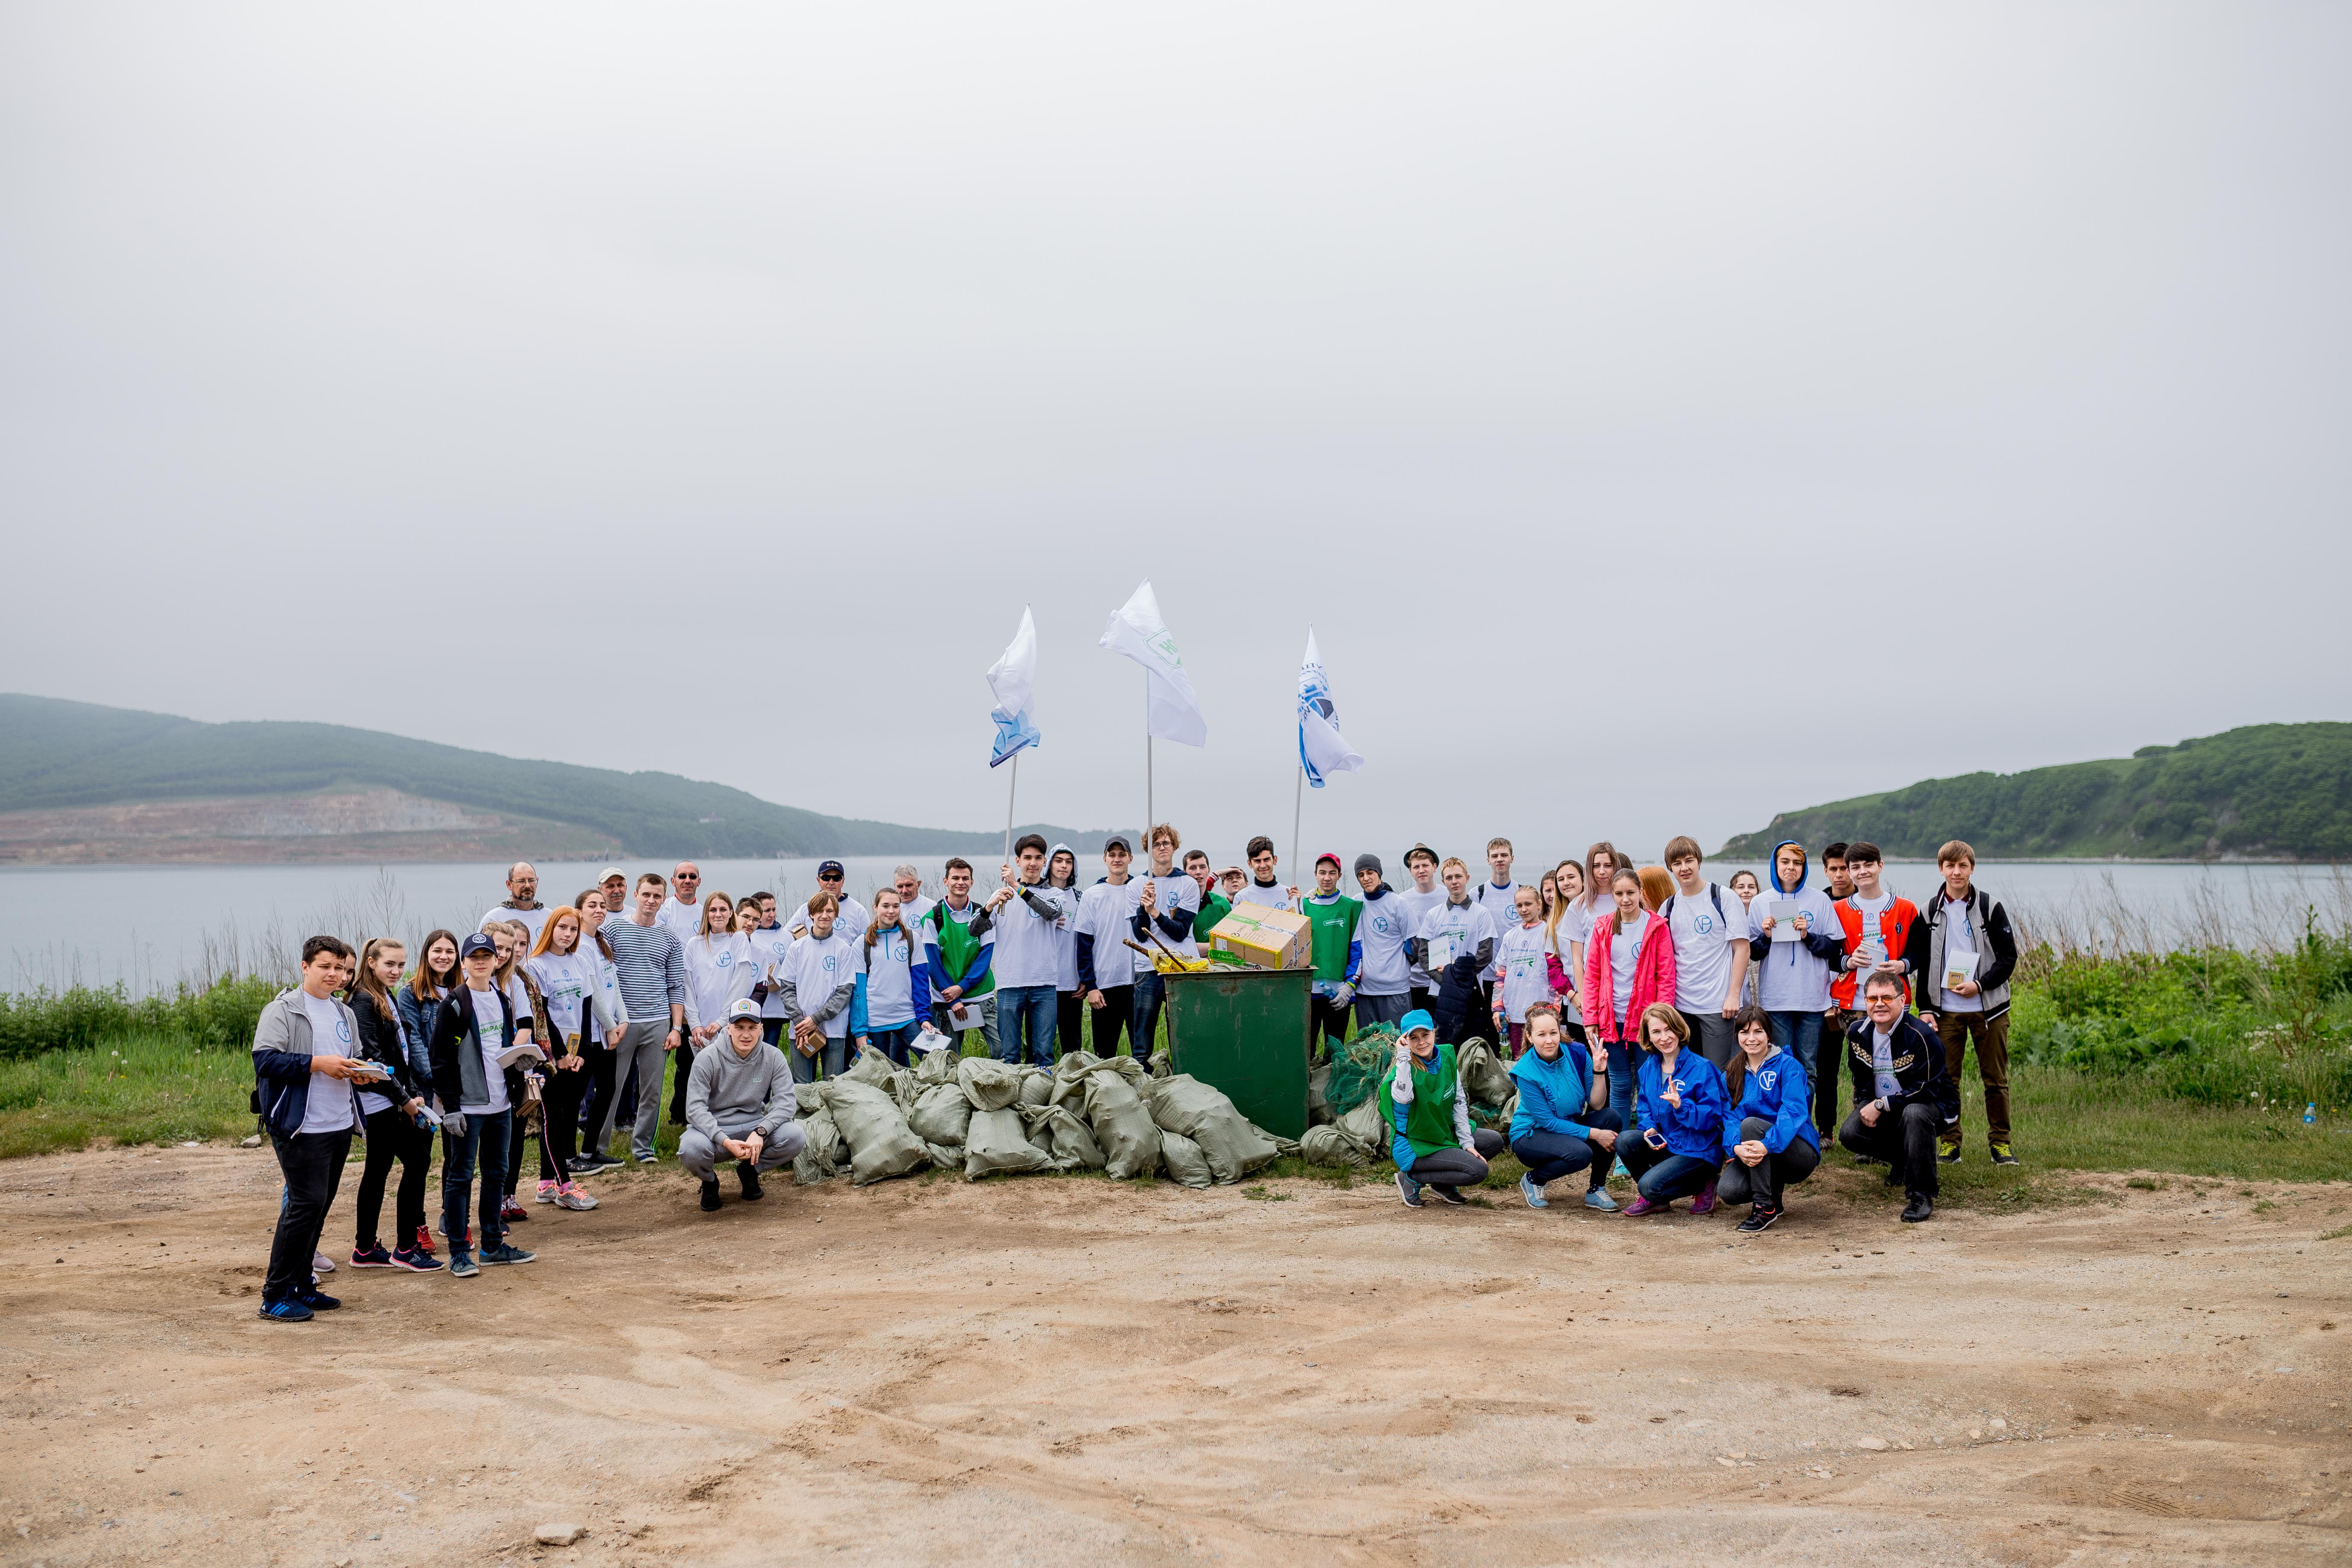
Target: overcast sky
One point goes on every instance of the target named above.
(1664, 415)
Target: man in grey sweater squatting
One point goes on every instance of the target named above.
(738, 1103)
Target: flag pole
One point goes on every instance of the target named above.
(1009, 791)
(1298, 801)
(1146, 846)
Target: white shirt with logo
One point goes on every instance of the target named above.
(1703, 938)
(329, 1107)
(1386, 930)
(1519, 957)
(490, 1023)
(816, 967)
(720, 972)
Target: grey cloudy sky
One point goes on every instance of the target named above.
(1665, 414)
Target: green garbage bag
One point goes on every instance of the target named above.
(1036, 1085)
(1067, 1138)
(1326, 1145)
(999, 1140)
(1485, 1080)
(940, 1114)
(1122, 1125)
(821, 1158)
(1184, 1159)
(880, 1145)
(871, 1067)
(1202, 1114)
(935, 1067)
(1319, 1104)
(989, 1084)
(1070, 1078)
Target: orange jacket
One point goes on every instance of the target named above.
(1895, 922)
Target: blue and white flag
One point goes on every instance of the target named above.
(1321, 748)
(1014, 680)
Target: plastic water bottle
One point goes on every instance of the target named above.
(2310, 1112)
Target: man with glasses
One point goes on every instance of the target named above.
(521, 901)
(682, 911)
(850, 918)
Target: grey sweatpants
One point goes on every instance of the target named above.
(640, 1046)
(699, 1157)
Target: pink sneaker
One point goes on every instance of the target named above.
(1705, 1202)
(547, 1191)
(1641, 1205)
(571, 1197)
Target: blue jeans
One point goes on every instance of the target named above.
(1024, 1014)
(1660, 1176)
(1799, 1034)
(488, 1135)
(1549, 1156)
(1151, 996)
(1621, 1086)
(893, 1043)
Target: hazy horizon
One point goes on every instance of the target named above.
(1664, 417)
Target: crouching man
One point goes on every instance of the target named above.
(738, 1104)
(1903, 1096)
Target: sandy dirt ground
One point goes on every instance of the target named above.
(1050, 1372)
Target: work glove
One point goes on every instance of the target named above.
(454, 1124)
(1343, 996)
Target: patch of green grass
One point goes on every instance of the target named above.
(2339, 1234)
(138, 1088)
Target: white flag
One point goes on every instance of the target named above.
(1321, 748)
(1135, 630)
(1014, 678)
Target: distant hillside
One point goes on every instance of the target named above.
(72, 773)
(2267, 792)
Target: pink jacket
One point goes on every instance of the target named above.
(1654, 977)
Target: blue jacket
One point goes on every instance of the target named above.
(416, 1022)
(918, 979)
(1696, 1128)
(1778, 1092)
(1553, 1095)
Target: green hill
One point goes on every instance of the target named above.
(2268, 791)
(55, 755)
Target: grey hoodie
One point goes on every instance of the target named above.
(730, 1095)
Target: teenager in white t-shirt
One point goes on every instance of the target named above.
(1519, 960)
(1165, 905)
(1709, 926)
(819, 977)
(1106, 924)
(1264, 887)
(1421, 867)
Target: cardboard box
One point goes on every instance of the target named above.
(1264, 938)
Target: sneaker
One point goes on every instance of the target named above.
(1618, 1173)
(646, 1157)
(318, 1300)
(1533, 1194)
(321, 1264)
(290, 1310)
(748, 1175)
(423, 1242)
(1407, 1189)
(373, 1257)
(462, 1266)
(1947, 1151)
(410, 1259)
(710, 1195)
(511, 1211)
(1598, 1198)
(547, 1192)
(593, 1160)
(506, 1252)
(1642, 1205)
(570, 1196)
(2002, 1155)
(1451, 1197)
(1760, 1218)
(1921, 1206)
(1705, 1202)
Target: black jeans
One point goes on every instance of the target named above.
(1114, 1020)
(1907, 1142)
(1068, 1009)
(391, 1136)
(598, 1091)
(685, 1054)
(1549, 1156)
(1763, 1182)
(558, 1121)
(1327, 1020)
(1447, 1169)
(312, 1164)
(486, 1141)
(517, 1135)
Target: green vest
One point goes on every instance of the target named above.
(1332, 928)
(958, 946)
(1213, 908)
(1429, 1119)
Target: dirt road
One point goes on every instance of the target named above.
(1049, 1372)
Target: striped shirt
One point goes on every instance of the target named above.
(651, 965)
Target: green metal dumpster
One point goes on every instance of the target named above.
(1244, 1031)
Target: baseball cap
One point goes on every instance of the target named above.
(1367, 863)
(1418, 1019)
(1326, 855)
(475, 944)
(829, 868)
(744, 1008)
(608, 873)
(1117, 841)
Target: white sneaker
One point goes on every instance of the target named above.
(321, 1264)
(574, 1199)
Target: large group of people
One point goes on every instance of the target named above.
(1660, 1027)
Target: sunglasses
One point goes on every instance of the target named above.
(830, 876)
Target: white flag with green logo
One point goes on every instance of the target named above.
(1136, 631)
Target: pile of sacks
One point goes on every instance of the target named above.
(1359, 1136)
(983, 1116)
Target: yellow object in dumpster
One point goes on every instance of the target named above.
(1264, 937)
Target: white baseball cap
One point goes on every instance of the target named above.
(744, 1008)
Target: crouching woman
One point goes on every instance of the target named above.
(1430, 1135)
(738, 1105)
(1768, 1139)
(1563, 1123)
(1676, 1145)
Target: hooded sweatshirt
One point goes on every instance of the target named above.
(1776, 1090)
(1694, 1128)
(1384, 933)
(1553, 1095)
(732, 1096)
(1794, 976)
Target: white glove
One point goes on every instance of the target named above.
(454, 1123)
(1344, 994)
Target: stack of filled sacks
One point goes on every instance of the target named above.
(1352, 1123)
(986, 1117)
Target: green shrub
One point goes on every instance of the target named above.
(83, 1017)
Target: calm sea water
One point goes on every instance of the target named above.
(148, 926)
